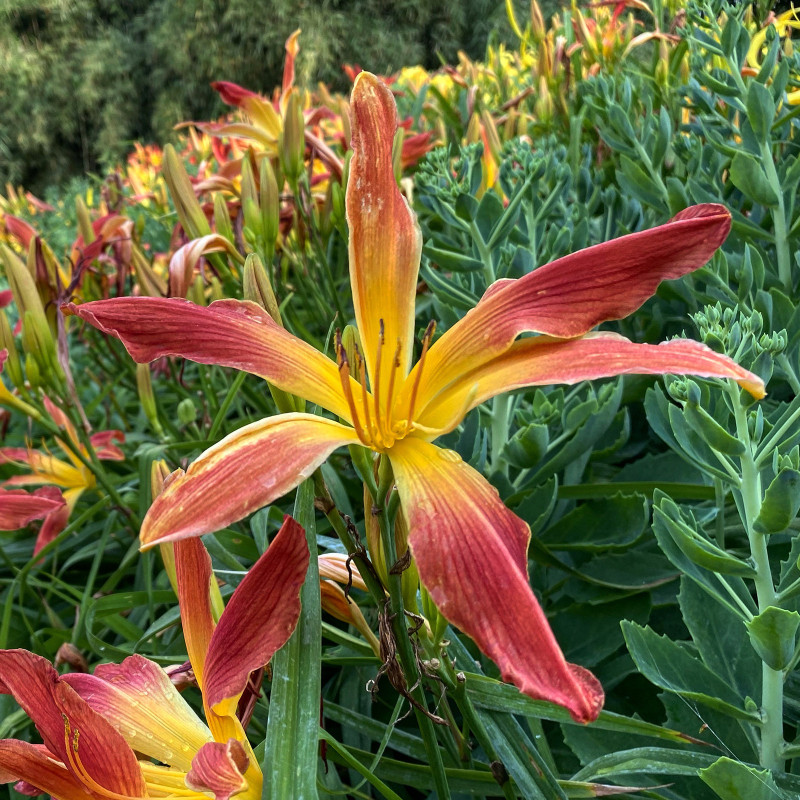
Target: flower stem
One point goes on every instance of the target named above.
(778, 219)
(772, 680)
(406, 654)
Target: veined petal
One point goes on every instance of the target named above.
(34, 764)
(100, 755)
(219, 768)
(231, 333)
(104, 447)
(385, 241)
(53, 524)
(141, 702)
(471, 552)
(242, 473)
(18, 508)
(570, 296)
(543, 360)
(194, 577)
(259, 618)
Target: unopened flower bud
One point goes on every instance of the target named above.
(84, 221)
(13, 365)
(292, 140)
(146, 397)
(190, 213)
(222, 218)
(269, 195)
(258, 288)
(187, 411)
(397, 153)
(351, 341)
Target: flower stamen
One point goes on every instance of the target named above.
(71, 737)
(426, 340)
(395, 367)
(344, 377)
(362, 377)
(376, 387)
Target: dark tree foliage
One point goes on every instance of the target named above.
(81, 79)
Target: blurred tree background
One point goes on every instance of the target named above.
(80, 80)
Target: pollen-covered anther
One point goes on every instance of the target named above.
(71, 737)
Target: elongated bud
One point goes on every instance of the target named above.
(252, 220)
(84, 221)
(222, 218)
(149, 282)
(32, 371)
(409, 577)
(397, 153)
(144, 385)
(249, 190)
(216, 290)
(537, 20)
(473, 133)
(258, 288)
(293, 139)
(335, 603)
(197, 291)
(374, 545)
(270, 203)
(159, 472)
(351, 341)
(38, 343)
(492, 138)
(21, 283)
(13, 365)
(190, 213)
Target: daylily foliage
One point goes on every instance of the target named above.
(470, 550)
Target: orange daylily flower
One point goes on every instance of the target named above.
(72, 477)
(470, 550)
(125, 732)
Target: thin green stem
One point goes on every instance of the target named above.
(484, 252)
(772, 680)
(406, 655)
(778, 219)
(501, 408)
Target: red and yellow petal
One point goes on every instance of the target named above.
(194, 577)
(385, 241)
(231, 333)
(219, 768)
(141, 702)
(101, 756)
(258, 620)
(18, 507)
(570, 296)
(471, 552)
(34, 764)
(543, 361)
(104, 447)
(244, 472)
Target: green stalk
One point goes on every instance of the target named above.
(501, 408)
(778, 219)
(772, 680)
(485, 254)
(405, 651)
